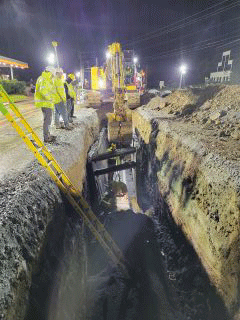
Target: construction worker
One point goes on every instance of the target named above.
(45, 95)
(70, 95)
(60, 105)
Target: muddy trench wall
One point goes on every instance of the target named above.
(202, 192)
(33, 217)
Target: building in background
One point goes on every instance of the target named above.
(224, 69)
(228, 69)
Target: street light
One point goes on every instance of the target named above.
(108, 55)
(78, 74)
(135, 60)
(51, 58)
(183, 70)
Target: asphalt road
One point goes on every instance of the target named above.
(14, 153)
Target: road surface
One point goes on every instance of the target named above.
(14, 153)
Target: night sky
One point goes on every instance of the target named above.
(163, 34)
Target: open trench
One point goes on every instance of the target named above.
(75, 279)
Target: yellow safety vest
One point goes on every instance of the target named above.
(60, 91)
(71, 91)
(45, 93)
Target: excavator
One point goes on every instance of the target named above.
(119, 122)
(120, 73)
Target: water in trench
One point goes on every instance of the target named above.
(76, 279)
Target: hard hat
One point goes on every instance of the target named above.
(113, 146)
(71, 76)
(50, 69)
(59, 70)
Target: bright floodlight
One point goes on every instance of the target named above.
(108, 55)
(51, 58)
(78, 74)
(183, 69)
(135, 60)
(101, 83)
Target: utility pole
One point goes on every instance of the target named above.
(183, 70)
(81, 69)
(181, 78)
(146, 78)
(11, 69)
(55, 44)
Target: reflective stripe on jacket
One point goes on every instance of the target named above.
(45, 93)
(60, 91)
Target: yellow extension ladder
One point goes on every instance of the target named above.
(47, 160)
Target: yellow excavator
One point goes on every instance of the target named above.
(119, 122)
(126, 95)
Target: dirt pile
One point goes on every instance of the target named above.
(185, 101)
(214, 109)
(228, 96)
(146, 97)
(222, 113)
(176, 102)
(179, 101)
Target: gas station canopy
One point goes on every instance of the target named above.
(7, 62)
(12, 63)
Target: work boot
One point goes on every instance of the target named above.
(74, 117)
(59, 127)
(50, 139)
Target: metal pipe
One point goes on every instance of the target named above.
(120, 167)
(109, 155)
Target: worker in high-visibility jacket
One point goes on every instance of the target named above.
(45, 96)
(70, 95)
(60, 105)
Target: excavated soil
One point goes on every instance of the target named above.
(211, 114)
(31, 206)
(196, 137)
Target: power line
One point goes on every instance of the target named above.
(188, 35)
(184, 19)
(188, 49)
(217, 44)
(166, 29)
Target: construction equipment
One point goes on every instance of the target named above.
(116, 74)
(98, 78)
(133, 79)
(46, 159)
(98, 84)
(119, 122)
